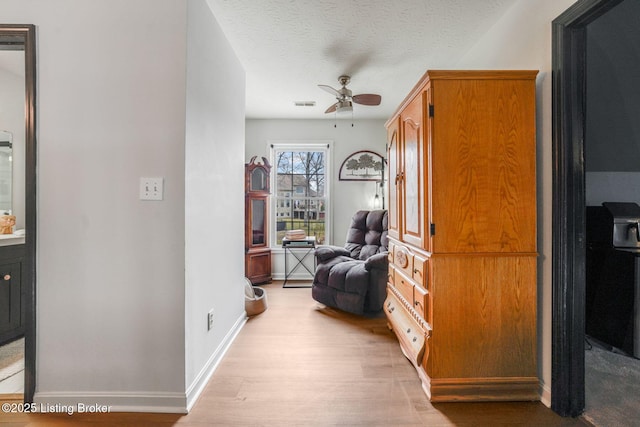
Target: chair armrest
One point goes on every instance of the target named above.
(379, 261)
(327, 252)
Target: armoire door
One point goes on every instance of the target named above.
(412, 220)
(483, 166)
(394, 179)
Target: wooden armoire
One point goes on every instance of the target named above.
(461, 293)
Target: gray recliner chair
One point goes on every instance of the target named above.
(354, 278)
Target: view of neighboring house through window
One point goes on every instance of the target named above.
(299, 197)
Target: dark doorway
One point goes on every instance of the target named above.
(568, 222)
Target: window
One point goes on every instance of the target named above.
(300, 191)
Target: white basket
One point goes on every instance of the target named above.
(255, 299)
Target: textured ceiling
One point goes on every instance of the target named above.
(288, 47)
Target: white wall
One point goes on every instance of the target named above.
(214, 198)
(612, 146)
(110, 268)
(347, 197)
(612, 131)
(603, 187)
(522, 40)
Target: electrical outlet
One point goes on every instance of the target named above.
(210, 320)
(151, 188)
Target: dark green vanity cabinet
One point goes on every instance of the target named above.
(12, 295)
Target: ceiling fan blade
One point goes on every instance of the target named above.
(367, 99)
(329, 89)
(332, 108)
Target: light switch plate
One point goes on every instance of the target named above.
(151, 188)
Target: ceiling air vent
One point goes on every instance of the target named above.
(305, 103)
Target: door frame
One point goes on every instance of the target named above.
(568, 221)
(24, 35)
(30, 213)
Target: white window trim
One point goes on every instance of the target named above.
(311, 145)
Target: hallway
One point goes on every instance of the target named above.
(299, 363)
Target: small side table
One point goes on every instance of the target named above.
(300, 250)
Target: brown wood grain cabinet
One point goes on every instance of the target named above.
(257, 260)
(462, 224)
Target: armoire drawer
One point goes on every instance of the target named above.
(402, 259)
(402, 284)
(412, 336)
(419, 272)
(391, 276)
(422, 303)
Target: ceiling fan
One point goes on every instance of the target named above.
(346, 99)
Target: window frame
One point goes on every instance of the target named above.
(300, 145)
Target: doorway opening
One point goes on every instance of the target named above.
(569, 203)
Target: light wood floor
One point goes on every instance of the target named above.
(302, 364)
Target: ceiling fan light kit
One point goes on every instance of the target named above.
(344, 107)
(345, 98)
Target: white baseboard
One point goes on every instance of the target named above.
(201, 380)
(152, 402)
(92, 402)
(545, 395)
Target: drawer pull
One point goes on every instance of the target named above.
(6, 277)
(409, 330)
(415, 339)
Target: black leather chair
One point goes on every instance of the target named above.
(354, 278)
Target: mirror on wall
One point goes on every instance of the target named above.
(18, 250)
(12, 133)
(6, 159)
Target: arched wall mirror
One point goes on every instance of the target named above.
(18, 193)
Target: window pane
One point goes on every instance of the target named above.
(299, 198)
(303, 214)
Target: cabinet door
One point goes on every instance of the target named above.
(412, 174)
(393, 178)
(256, 222)
(484, 159)
(10, 302)
(258, 265)
(427, 220)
